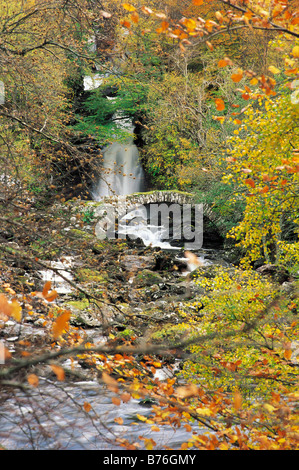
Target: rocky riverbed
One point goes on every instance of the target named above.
(119, 289)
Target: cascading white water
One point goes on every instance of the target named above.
(122, 173)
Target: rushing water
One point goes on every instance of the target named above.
(53, 417)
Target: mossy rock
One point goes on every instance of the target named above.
(87, 275)
(147, 278)
(78, 305)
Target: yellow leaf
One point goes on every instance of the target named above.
(149, 444)
(295, 51)
(190, 24)
(273, 69)
(141, 418)
(203, 411)
(58, 371)
(16, 310)
(128, 7)
(254, 81)
(269, 408)
(155, 429)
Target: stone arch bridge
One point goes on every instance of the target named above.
(109, 209)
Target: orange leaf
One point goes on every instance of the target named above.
(287, 354)
(237, 77)
(51, 296)
(220, 106)
(224, 62)
(197, 2)
(46, 288)
(237, 400)
(245, 96)
(210, 46)
(125, 24)
(264, 190)
(187, 391)
(33, 380)
(125, 397)
(5, 306)
(188, 427)
(58, 371)
(112, 383)
(5, 354)
(119, 420)
(135, 17)
(116, 401)
(250, 182)
(87, 406)
(61, 324)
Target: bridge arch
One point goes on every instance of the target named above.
(114, 208)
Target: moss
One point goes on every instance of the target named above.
(78, 304)
(171, 333)
(81, 234)
(147, 278)
(127, 333)
(92, 275)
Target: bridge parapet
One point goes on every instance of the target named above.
(121, 205)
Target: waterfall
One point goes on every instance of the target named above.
(122, 173)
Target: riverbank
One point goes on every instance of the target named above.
(135, 316)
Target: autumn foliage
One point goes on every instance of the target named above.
(213, 121)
